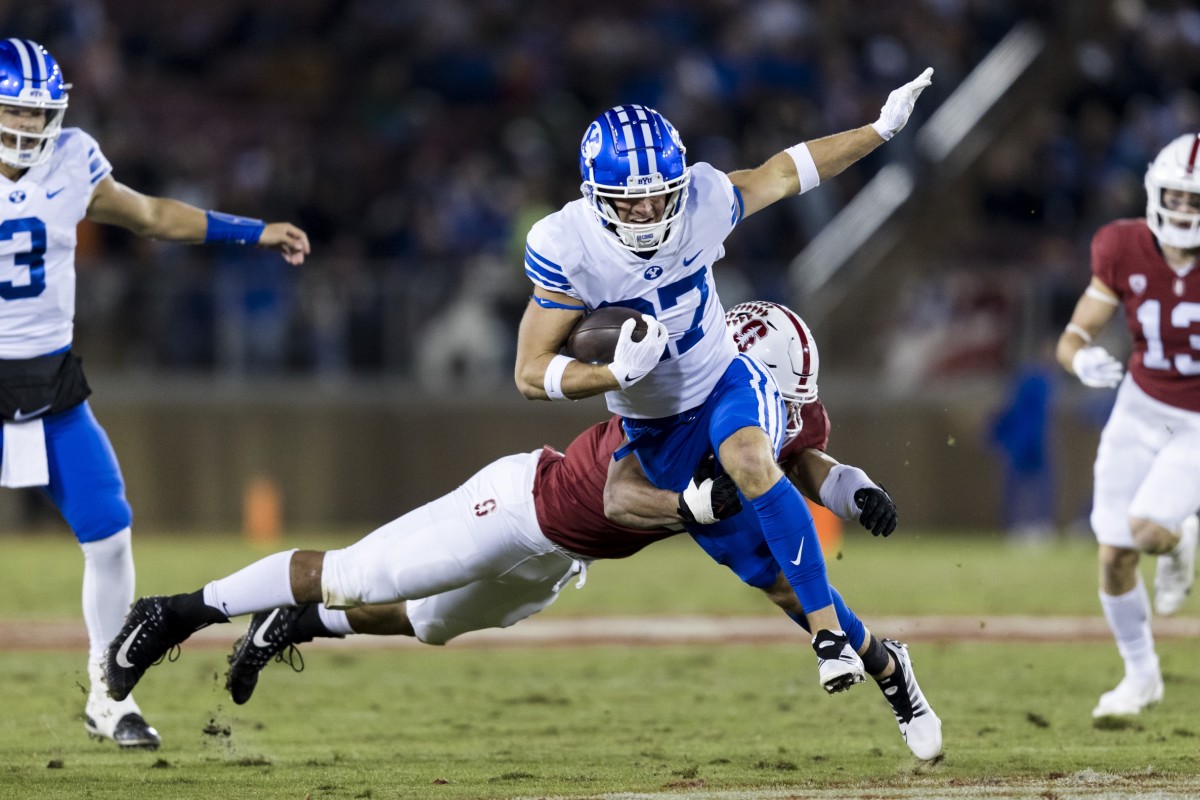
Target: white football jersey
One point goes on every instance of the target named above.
(38, 216)
(569, 251)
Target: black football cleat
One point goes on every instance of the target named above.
(149, 634)
(272, 635)
(131, 732)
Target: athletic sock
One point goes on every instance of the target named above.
(193, 611)
(876, 658)
(334, 620)
(792, 537)
(265, 584)
(309, 625)
(1128, 617)
(108, 578)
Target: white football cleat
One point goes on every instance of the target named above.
(1130, 697)
(118, 720)
(839, 666)
(1176, 570)
(920, 727)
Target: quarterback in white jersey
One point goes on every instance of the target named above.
(645, 235)
(50, 179)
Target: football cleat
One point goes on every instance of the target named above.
(131, 731)
(920, 727)
(1176, 571)
(838, 664)
(1130, 697)
(271, 635)
(149, 634)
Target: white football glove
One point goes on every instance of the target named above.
(899, 105)
(1095, 367)
(633, 360)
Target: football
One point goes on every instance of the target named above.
(594, 337)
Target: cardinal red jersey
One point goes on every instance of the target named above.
(1162, 311)
(568, 495)
(814, 433)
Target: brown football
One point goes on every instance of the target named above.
(594, 337)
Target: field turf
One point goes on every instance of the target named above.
(728, 721)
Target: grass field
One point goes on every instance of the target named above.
(731, 721)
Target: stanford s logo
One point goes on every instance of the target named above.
(652, 273)
(745, 336)
(1137, 283)
(486, 507)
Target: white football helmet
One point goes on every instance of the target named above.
(776, 336)
(1176, 167)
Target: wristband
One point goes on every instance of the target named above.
(232, 229)
(806, 168)
(837, 492)
(554, 377)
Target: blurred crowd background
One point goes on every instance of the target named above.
(416, 142)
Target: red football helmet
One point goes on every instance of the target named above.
(776, 336)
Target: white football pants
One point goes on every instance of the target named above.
(472, 559)
(1147, 466)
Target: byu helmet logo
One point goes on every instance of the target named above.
(591, 142)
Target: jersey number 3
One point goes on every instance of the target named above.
(34, 257)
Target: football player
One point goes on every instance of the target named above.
(52, 178)
(647, 234)
(500, 548)
(1147, 471)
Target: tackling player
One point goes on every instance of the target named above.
(500, 548)
(52, 178)
(1147, 471)
(647, 234)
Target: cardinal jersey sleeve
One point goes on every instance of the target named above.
(568, 494)
(37, 246)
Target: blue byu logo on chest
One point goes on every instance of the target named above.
(652, 273)
(16, 196)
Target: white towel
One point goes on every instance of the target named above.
(24, 459)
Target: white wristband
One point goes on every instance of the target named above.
(554, 377)
(837, 492)
(806, 168)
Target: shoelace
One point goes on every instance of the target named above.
(290, 656)
(172, 655)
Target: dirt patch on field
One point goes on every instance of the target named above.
(582, 631)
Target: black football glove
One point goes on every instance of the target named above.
(879, 514)
(708, 499)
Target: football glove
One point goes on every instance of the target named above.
(879, 514)
(1095, 367)
(707, 499)
(899, 106)
(633, 360)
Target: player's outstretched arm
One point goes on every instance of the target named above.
(845, 490)
(1092, 364)
(803, 166)
(170, 220)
